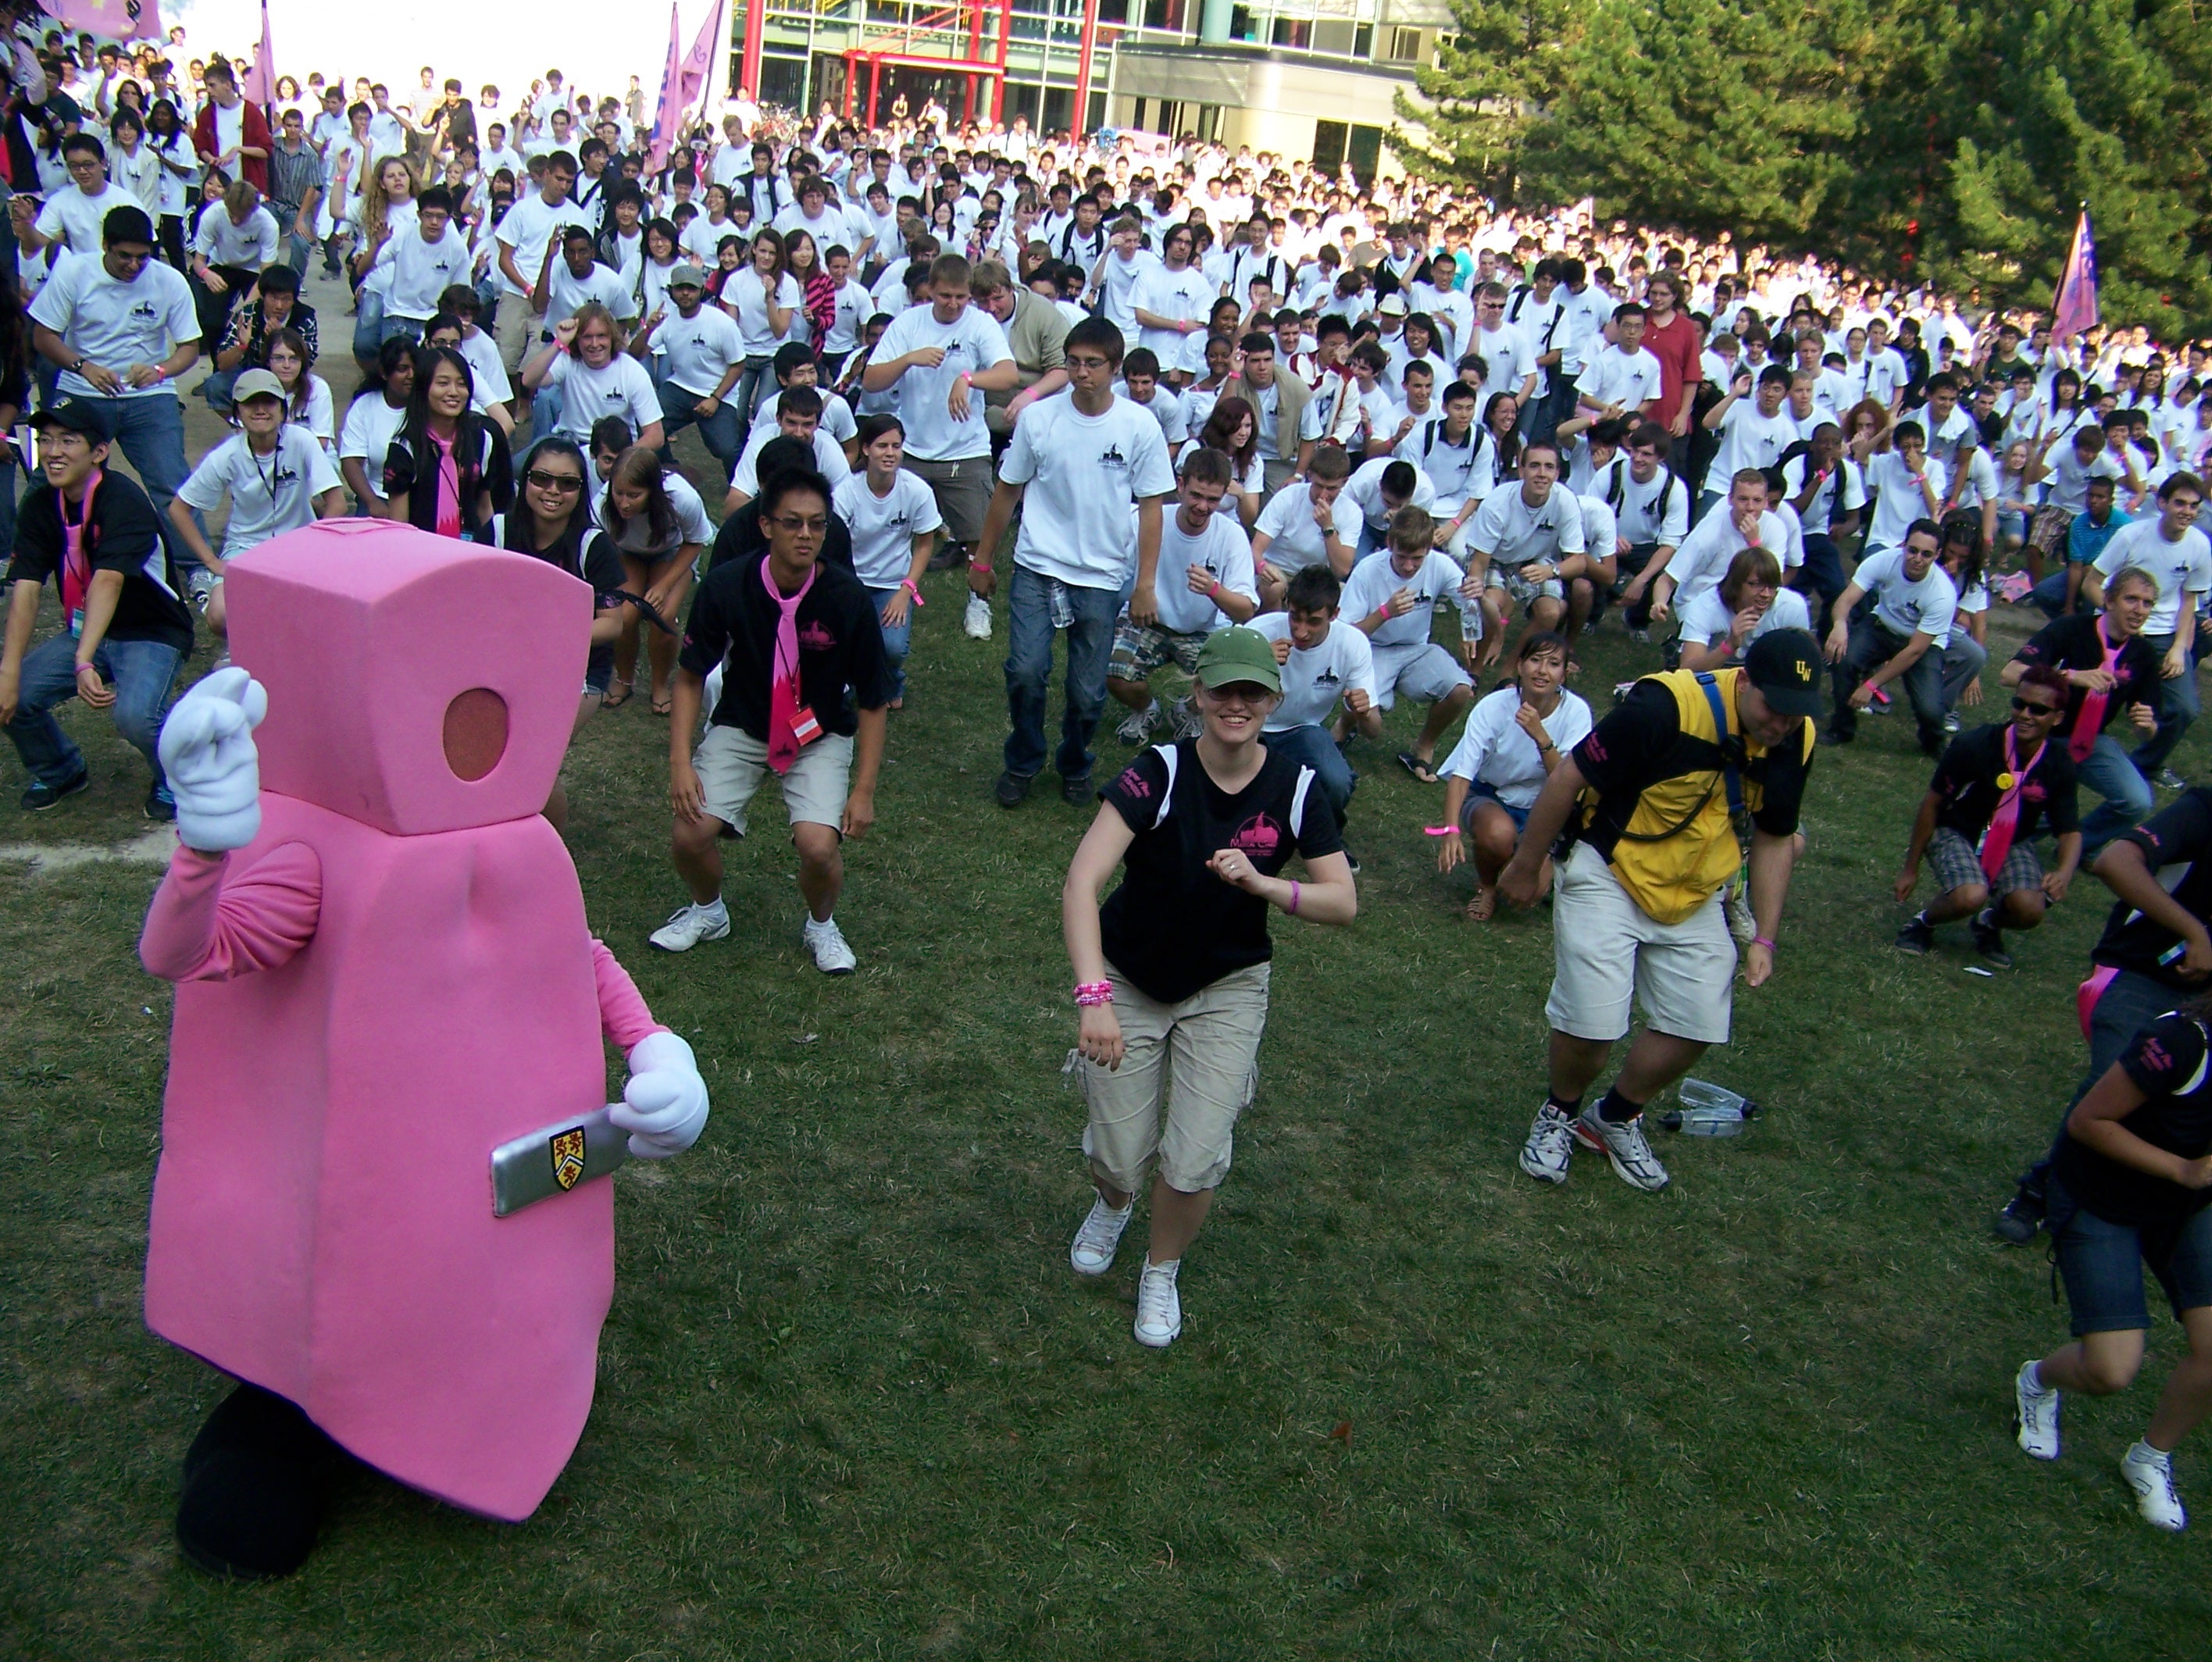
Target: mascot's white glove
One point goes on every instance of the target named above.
(664, 1107)
(207, 752)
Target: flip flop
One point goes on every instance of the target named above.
(1423, 771)
(615, 701)
(662, 706)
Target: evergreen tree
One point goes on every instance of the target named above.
(1492, 82)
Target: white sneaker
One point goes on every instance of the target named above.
(2037, 1407)
(1184, 721)
(1137, 726)
(1096, 1242)
(2148, 1472)
(827, 943)
(1624, 1146)
(977, 619)
(1551, 1144)
(687, 925)
(1159, 1307)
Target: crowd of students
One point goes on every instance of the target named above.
(1240, 430)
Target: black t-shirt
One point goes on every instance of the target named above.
(1966, 780)
(585, 553)
(840, 647)
(2167, 1062)
(492, 470)
(2073, 643)
(125, 536)
(1640, 743)
(1173, 927)
(2176, 845)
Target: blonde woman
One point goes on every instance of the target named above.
(385, 208)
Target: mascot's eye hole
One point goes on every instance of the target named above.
(476, 732)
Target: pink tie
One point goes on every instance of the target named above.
(783, 681)
(2091, 721)
(2004, 824)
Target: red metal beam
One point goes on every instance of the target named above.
(1082, 118)
(749, 70)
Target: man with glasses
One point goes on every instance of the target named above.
(72, 216)
(805, 692)
(1978, 825)
(1914, 603)
(123, 329)
(1501, 345)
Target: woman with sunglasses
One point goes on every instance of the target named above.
(550, 522)
(1175, 965)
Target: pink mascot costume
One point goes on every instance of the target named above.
(375, 1203)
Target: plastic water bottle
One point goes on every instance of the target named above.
(1710, 1110)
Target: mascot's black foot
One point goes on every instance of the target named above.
(253, 1488)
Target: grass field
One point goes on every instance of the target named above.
(853, 1404)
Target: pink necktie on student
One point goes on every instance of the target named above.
(2004, 824)
(783, 679)
(2091, 721)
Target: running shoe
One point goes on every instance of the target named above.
(2150, 1474)
(1550, 1146)
(1625, 1145)
(2035, 1413)
(690, 925)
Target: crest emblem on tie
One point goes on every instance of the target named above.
(567, 1149)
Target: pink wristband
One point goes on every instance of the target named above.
(1293, 908)
(1091, 994)
(907, 584)
(1761, 940)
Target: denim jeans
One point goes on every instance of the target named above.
(367, 324)
(1037, 607)
(1873, 644)
(547, 406)
(757, 382)
(725, 438)
(1310, 746)
(2177, 706)
(2048, 597)
(1821, 579)
(2127, 799)
(141, 672)
(897, 639)
(150, 428)
(1962, 661)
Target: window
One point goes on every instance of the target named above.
(1404, 47)
(1333, 39)
(1337, 143)
(1241, 26)
(1295, 32)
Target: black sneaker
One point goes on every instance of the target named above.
(42, 795)
(1351, 860)
(1989, 941)
(162, 805)
(1077, 791)
(1011, 790)
(1916, 937)
(947, 557)
(2019, 1220)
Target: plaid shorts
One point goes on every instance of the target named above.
(1956, 865)
(1525, 591)
(2046, 531)
(1141, 648)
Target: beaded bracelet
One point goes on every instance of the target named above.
(1091, 994)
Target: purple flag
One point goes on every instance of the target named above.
(2075, 307)
(698, 63)
(669, 114)
(114, 20)
(259, 85)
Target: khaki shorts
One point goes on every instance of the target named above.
(732, 764)
(1421, 670)
(514, 329)
(963, 490)
(1199, 1059)
(1609, 952)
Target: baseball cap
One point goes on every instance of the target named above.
(688, 273)
(1785, 666)
(1237, 654)
(257, 384)
(75, 415)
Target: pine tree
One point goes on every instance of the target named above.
(1492, 82)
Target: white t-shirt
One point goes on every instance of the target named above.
(884, 527)
(972, 341)
(702, 239)
(836, 419)
(1898, 500)
(1924, 608)
(2069, 480)
(530, 226)
(1655, 511)
(1166, 408)
(1703, 558)
(1507, 352)
(1374, 579)
(1314, 679)
(1082, 473)
(1822, 511)
(853, 311)
(2183, 566)
(636, 537)
(828, 461)
(1494, 751)
(699, 350)
(1364, 491)
(370, 425)
(115, 323)
(487, 370)
(1449, 469)
(1615, 376)
(1512, 533)
(1183, 294)
(76, 219)
(1118, 279)
(1222, 549)
(1706, 620)
(621, 387)
(421, 271)
(1749, 439)
(1295, 542)
(269, 494)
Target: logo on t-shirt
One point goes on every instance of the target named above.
(1259, 836)
(1328, 678)
(1113, 457)
(816, 638)
(1133, 784)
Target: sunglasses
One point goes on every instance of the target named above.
(564, 482)
(2023, 705)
